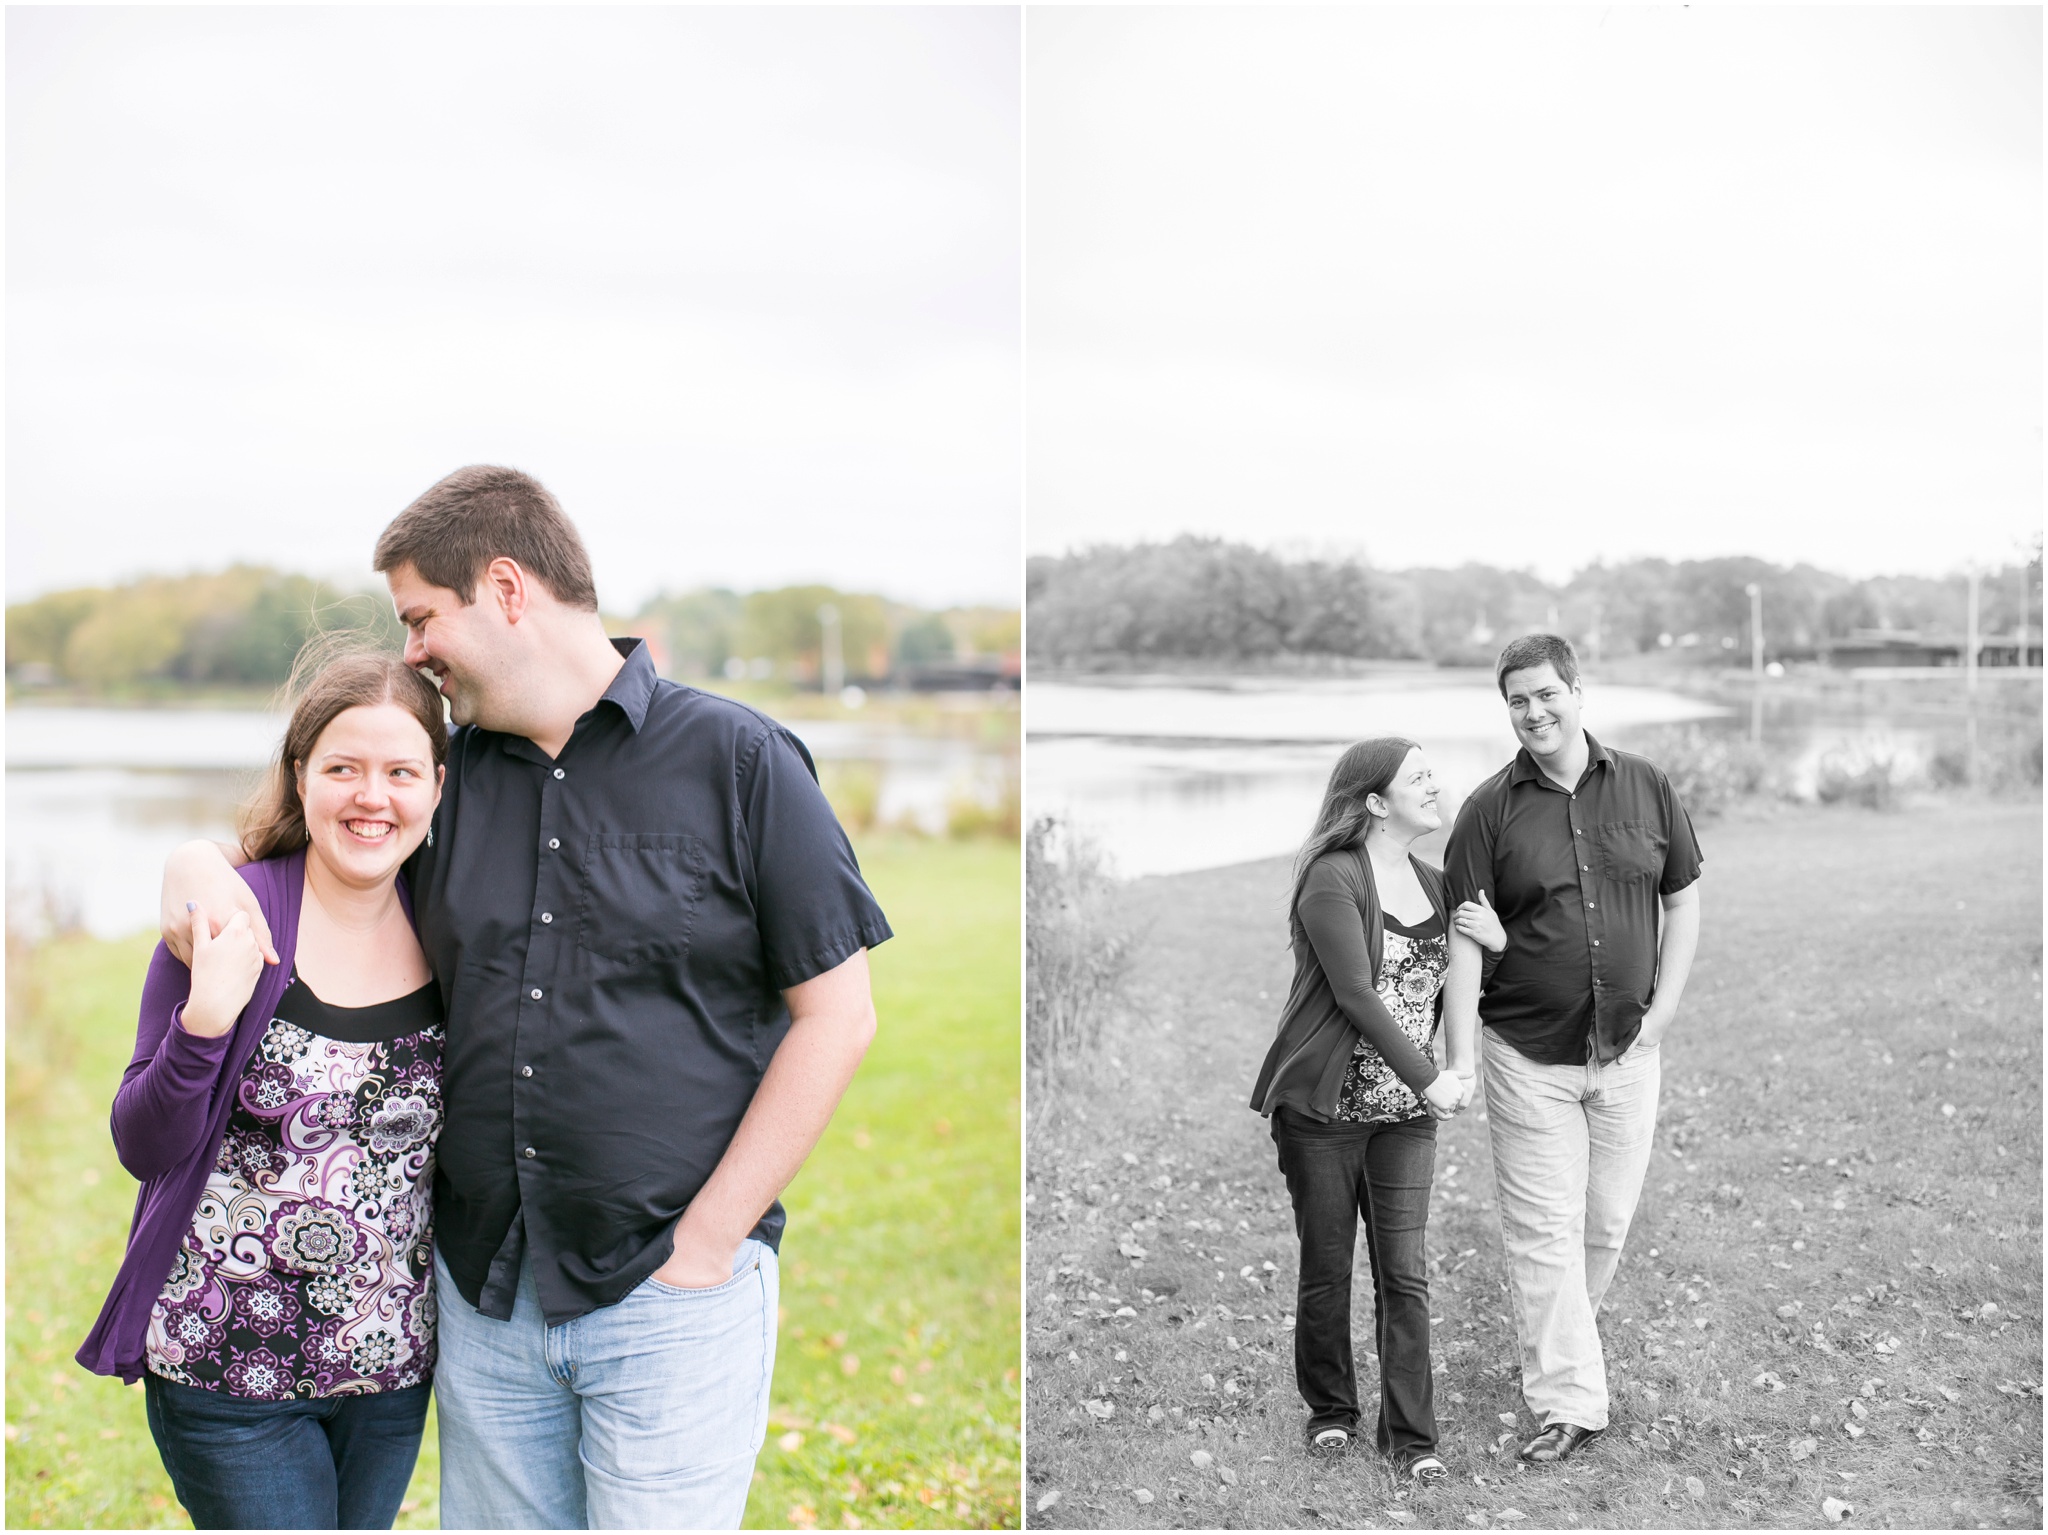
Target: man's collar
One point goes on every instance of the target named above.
(631, 692)
(633, 689)
(1524, 766)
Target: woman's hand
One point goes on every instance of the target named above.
(1478, 921)
(224, 970)
(1446, 1095)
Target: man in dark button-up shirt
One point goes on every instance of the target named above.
(651, 937)
(1589, 859)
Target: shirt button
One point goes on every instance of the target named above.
(531, 1152)
(1596, 944)
(1586, 868)
(1577, 833)
(554, 842)
(1591, 907)
(536, 993)
(547, 916)
(527, 1071)
(558, 772)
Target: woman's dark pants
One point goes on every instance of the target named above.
(333, 1463)
(1336, 1173)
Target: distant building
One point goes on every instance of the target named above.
(1914, 647)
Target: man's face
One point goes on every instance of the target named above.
(1544, 712)
(464, 647)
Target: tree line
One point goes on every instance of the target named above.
(243, 627)
(1214, 600)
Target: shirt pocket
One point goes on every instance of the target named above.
(640, 895)
(1631, 851)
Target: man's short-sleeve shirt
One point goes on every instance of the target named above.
(612, 930)
(1577, 877)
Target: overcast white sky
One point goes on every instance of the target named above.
(1533, 287)
(741, 286)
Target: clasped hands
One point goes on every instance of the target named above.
(1449, 1093)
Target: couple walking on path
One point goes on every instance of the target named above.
(484, 1072)
(1553, 947)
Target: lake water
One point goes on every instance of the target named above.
(97, 797)
(1167, 777)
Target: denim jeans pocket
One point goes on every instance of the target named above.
(749, 1266)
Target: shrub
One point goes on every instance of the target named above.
(1712, 770)
(1866, 775)
(1076, 950)
(968, 815)
(853, 788)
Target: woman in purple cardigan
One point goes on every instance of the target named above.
(1355, 1090)
(277, 1297)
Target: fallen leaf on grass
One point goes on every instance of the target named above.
(1508, 1418)
(1953, 1396)
(1802, 1448)
(1696, 1487)
(1835, 1508)
(1047, 1500)
(1099, 1409)
(1769, 1380)
(1853, 1430)
(1511, 1513)
(790, 1442)
(1143, 1495)
(1202, 1460)
(1155, 1412)
(1227, 1476)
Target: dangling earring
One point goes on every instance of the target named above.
(430, 834)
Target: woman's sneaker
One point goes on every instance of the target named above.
(1426, 1471)
(1329, 1441)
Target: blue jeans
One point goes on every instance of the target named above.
(333, 1463)
(646, 1414)
(1337, 1174)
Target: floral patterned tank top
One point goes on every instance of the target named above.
(1412, 965)
(308, 1271)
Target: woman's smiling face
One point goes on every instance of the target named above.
(369, 788)
(1411, 797)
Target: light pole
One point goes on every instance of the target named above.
(831, 662)
(1756, 661)
(1970, 652)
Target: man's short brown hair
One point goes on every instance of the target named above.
(480, 514)
(1552, 650)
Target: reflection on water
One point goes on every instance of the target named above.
(1170, 777)
(97, 797)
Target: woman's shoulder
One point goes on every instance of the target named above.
(270, 877)
(1340, 869)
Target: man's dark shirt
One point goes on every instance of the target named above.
(1576, 877)
(612, 931)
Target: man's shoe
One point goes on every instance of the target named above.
(1560, 1441)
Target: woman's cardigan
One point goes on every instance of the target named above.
(172, 1110)
(1338, 944)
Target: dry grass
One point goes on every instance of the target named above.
(1816, 1218)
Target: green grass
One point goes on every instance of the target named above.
(1845, 1199)
(896, 1392)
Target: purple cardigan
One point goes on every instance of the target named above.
(172, 1110)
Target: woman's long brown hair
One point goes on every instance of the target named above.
(332, 675)
(1367, 768)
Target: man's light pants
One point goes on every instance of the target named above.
(644, 1415)
(1570, 1147)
